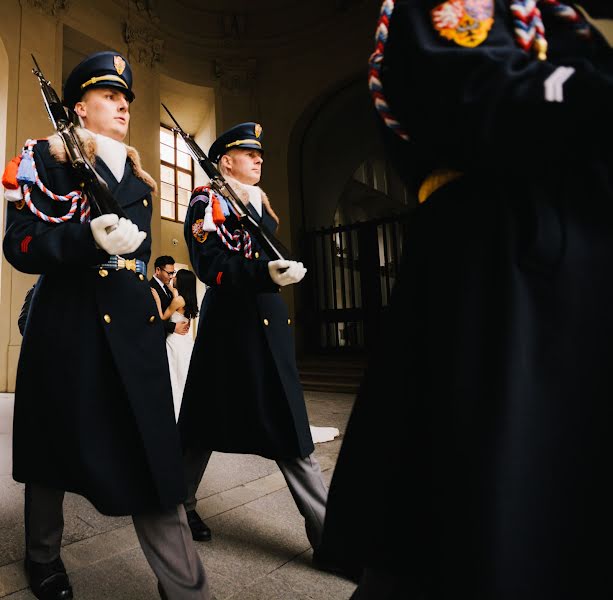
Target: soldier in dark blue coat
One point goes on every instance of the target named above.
(243, 392)
(489, 393)
(93, 403)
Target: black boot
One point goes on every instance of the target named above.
(48, 581)
(200, 530)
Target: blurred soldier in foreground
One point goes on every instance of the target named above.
(489, 393)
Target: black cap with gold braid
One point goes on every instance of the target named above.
(100, 70)
(243, 135)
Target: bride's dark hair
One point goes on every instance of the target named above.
(186, 286)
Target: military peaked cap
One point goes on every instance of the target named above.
(100, 70)
(244, 135)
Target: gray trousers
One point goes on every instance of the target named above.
(303, 477)
(164, 536)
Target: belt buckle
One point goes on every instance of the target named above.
(126, 263)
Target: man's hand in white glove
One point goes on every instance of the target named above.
(285, 272)
(115, 235)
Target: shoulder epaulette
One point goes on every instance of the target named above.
(200, 194)
(201, 189)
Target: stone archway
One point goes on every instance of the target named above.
(337, 169)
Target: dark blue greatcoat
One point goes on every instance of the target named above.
(485, 420)
(243, 392)
(93, 404)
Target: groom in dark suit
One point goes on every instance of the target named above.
(164, 273)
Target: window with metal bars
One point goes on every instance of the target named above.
(176, 175)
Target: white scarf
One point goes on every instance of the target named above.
(113, 153)
(255, 197)
(251, 194)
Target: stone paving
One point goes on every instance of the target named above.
(259, 549)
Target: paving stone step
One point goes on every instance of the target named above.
(330, 375)
(328, 386)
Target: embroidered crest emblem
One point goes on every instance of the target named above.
(198, 232)
(465, 22)
(120, 64)
(257, 130)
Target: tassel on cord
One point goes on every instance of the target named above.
(208, 223)
(26, 174)
(9, 178)
(218, 216)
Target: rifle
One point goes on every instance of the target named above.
(96, 189)
(273, 247)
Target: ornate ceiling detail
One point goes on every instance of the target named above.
(233, 26)
(143, 45)
(262, 27)
(237, 76)
(147, 9)
(49, 7)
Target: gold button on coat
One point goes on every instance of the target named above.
(145, 203)
(289, 321)
(103, 272)
(257, 255)
(151, 319)
(265, 321)
(107, 318)
(141, 276)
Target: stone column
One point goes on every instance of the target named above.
(237, 93)
(145, 54)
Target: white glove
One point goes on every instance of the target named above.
(115, 235)
(286, 272)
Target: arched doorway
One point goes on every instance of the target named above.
(354, 208)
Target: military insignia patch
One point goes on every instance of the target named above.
(20, 204)
(465, 22)
(257, 130)
(120, 64)
(198, 232)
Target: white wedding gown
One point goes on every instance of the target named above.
(179, 349)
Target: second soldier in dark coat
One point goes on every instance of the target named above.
(243, 392)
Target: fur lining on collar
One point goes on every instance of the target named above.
(243, 194)
(88, 142)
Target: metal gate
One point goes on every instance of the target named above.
(352, 270)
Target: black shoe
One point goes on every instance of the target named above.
(345, 570)
(48, 581)
(200, 530)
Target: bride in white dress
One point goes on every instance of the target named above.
(183, 307)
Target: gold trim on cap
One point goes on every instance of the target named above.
(237, 142)
(104, 78)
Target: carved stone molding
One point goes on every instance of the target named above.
(233, 27)
(143, 46)
(147, 9)
(237, 76)
(52, 8)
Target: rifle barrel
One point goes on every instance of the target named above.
(173, 119)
